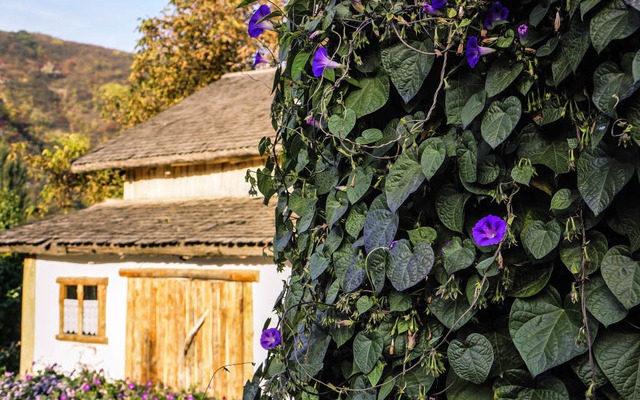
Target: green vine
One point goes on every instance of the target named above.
(456, 188)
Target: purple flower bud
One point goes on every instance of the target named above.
(474, 52)
(86, 387)
(270, 338)
(392, 244)
(434, 8)
(522, 32)
(259, 59)
(357, 5)
(312, 121)
(314, 35)
(321, 61)
(257, 28)
(496, 13)
(489, 230)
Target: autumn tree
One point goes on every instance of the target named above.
(191, 44)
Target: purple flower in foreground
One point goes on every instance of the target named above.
(270, 338)
(522, 32)
(434, 8)
(259, 59)
(496, 13)
(321, 61)
(489, 230)
(474, 52)
(132, 386)
(86, 387)
(256, 28)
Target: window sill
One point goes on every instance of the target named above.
(68, 337)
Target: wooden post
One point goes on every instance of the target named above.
(28, 326)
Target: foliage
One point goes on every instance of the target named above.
(51, 383)
(189, 46)
(430, 118)
(64, 190)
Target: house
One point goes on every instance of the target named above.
(171, 282)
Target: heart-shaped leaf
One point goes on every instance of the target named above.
(544, 331)
(432, 156)
(622, 275)
(359, 182)
(618, 355)
(601, 303)
(541, 238)
(380, 228)
(500, 119)
(341, 125)
(407, 66)
(367, 349)
(404, 178)
(407, 268)
(471, 359)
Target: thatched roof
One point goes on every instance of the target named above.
(199, 227)
(226, 119)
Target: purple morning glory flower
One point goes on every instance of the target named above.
(522, 32)
(313, 122)
(256, 28)
(321, 61)
(86, 387)
(270, 338)
(496, 13)
(434, 8)
(259, 59)
(489, 230)
(474, 51)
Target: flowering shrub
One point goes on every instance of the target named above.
(458, 187)
(50, 384)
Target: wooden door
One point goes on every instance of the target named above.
(180, 331)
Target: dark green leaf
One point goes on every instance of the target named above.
(522, 173)
(548, 388)
(372, 95)
(356, 219)
(473, 108)
(618, 354)
(472, 359)
(561, 200)
(500, 119)
(318, 263)
(452, 313)
(450, 208)
(367, 349)
(354, 275)
(600, 178)
(459, 92)
(407, 66)
(586, 5)
(407, 268)
(380, 228)
(529, 281)
(601, 303)
(545, 332)
(342, 334)
(574, 45)
(359, 182)
(467, 153)
(635, 67)
(613, 22)
(337, 205)
(433, 155)
(552, 153)
(405, 177)
(541, 238)
(456, 258)
(341, 125)
(376, 263)
(610, 87)
(622, 275)
(422, 234)
(460, 389)
(571, 254)
(500, 76)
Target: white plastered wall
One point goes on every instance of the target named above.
(111, 357)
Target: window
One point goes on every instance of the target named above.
(83, 306)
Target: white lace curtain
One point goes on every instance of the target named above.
(89, 316)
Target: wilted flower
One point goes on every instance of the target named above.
(496, 13)
(312, 121)
(522, 32)
(260, 59)
(256, 28)
(489, 230)
(321, 61)
(433, 8)
(357, 5)
(270, 338)
(474, 52)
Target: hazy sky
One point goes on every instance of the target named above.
(108, 23)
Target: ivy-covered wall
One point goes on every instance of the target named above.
(457, 192)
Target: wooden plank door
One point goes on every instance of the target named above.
(180, 331)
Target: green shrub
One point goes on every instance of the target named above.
(458, 194)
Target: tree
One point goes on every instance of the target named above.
(189, 46)
(63, 190)
(457, 199)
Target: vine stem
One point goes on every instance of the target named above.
(583, 302)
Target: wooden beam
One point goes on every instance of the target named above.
(28, 325)
(207, 274)
(82, 338)
(82, 280)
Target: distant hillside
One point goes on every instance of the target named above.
(48, 86)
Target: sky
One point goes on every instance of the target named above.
(107, 23)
